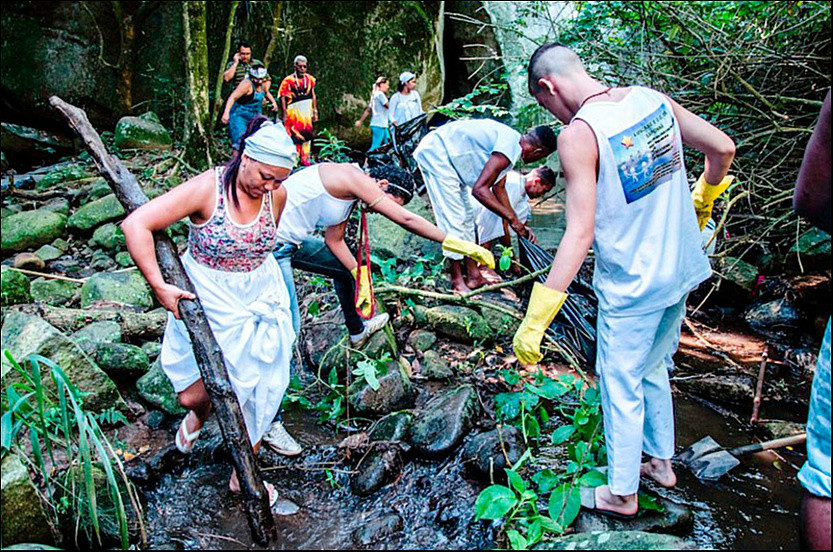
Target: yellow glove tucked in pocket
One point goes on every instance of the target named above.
(704, 195)
(544, 304)
(481, 255)
(364, 303)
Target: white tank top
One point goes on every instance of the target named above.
(309, 206)
(647, 241)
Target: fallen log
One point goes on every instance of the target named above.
(133, 324)
(207, 352)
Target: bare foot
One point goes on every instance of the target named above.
(660, 471)
(459, 286)
(476, 282)
(625, 505)
(234, 487)
(490, 275)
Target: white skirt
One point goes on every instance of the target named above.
(249, 315)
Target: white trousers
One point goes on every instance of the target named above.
(450, 199)
(632, 358)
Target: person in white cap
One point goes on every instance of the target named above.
(406, 103)
(300, 107)
(233, 213)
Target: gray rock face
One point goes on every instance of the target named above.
(434, 367)
(484, 453)
(422, 340)
(24, 519)
(97, 212)
(92, 335)
(54, 292)
(616, 540)
(674, 519)
(394, 393)
(129, 288)
(24, 334)
(388, 239)
(144, 132)
(14, 287)
(48, 253)
(156, 388)
(30, 229)
(442, 424)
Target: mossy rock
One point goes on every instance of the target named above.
(121, 359)
(461, 323)
(92, 335)
(24, 518)
(388, 239)
(156, 388)
(48, 253)
(616, 540)
(129, 288)
(54, 292)
(739, 272)
(124, 260)
(145, 132)
(95, 213)
(108, 236)
(31, 229)
(14, 287)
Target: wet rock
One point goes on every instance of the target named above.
(772, 316)
(108, 236)
(31, 229)
(24, 519)
(101, 261)
(28, 261)
(394, 393)
(459, 323)
(392, 427)
(24, 334)
(60, 244)
(434, 367)
(144, 132)
(777, 429)
(616, 540)
(381, 467)
(156, 388)
(422, 340)
(725, 389)
(155, 419)
(443, 422)
(121, 359)
(54, 292)
(92, 335)
(814, 248)
(152, 349)
(484, 453)
(674, 519)
(57, 205)
(124, 260)
(322, 350)
(48, 253)
(129, 288)
(98, 212)
(377, 530)
(388, 239)
(738, 272)
(14, 287)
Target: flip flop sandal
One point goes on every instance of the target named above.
(588, 502)
(185, 441)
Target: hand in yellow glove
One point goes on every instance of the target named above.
(469, 249)
(364, 303)
(544, 304)
(704, 195)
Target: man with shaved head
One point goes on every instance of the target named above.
(627, 196)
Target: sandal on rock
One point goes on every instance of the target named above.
(184, 440)
(588, 502)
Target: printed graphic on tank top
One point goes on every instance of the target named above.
(646, 154)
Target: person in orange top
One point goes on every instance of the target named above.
(299, 107)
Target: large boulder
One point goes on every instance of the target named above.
(443, 422)
(616, 540)
(460, 323)
(97, 212)
(388, 239)
(14, 287)
(24, 334)
(156, 388)
(129, 288)
(98, 333)
(24, 518)
(144, 132)
(121, 359)
(54, 292)
(31, 229)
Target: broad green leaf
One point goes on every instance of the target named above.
(546, 480)
(494, 502)
(648, 503)
(561, 434)
(550, 389)
(516, 540)
(593, 478)
(564, 505)
(515, 480)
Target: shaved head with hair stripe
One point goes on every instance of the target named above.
(552, 60)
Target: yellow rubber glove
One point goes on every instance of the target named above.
(363, 303)
(704, 195)
(469, 249)
(544, 304)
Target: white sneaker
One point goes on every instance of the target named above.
(370, 327)
(281, 441)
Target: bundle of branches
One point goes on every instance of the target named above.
(757, 70)
(574, 325)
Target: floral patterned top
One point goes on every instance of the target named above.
(222, 244)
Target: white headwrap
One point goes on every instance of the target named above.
(300, 58)
(271, 145)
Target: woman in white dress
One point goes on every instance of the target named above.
(234, 212)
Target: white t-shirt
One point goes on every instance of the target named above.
(489, 225)
(379, 110)
(404, 107)
(465, 146)
(647, 242)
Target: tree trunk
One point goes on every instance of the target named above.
(273, 40)
(207, 352)
(218, 88)
(199, 144)
(127, 36)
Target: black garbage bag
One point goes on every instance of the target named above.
(575, 325)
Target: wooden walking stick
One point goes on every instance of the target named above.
(207, 352)
(759, 389)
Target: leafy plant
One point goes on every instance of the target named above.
(483, 100)
(332, 148)
(506, 254)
